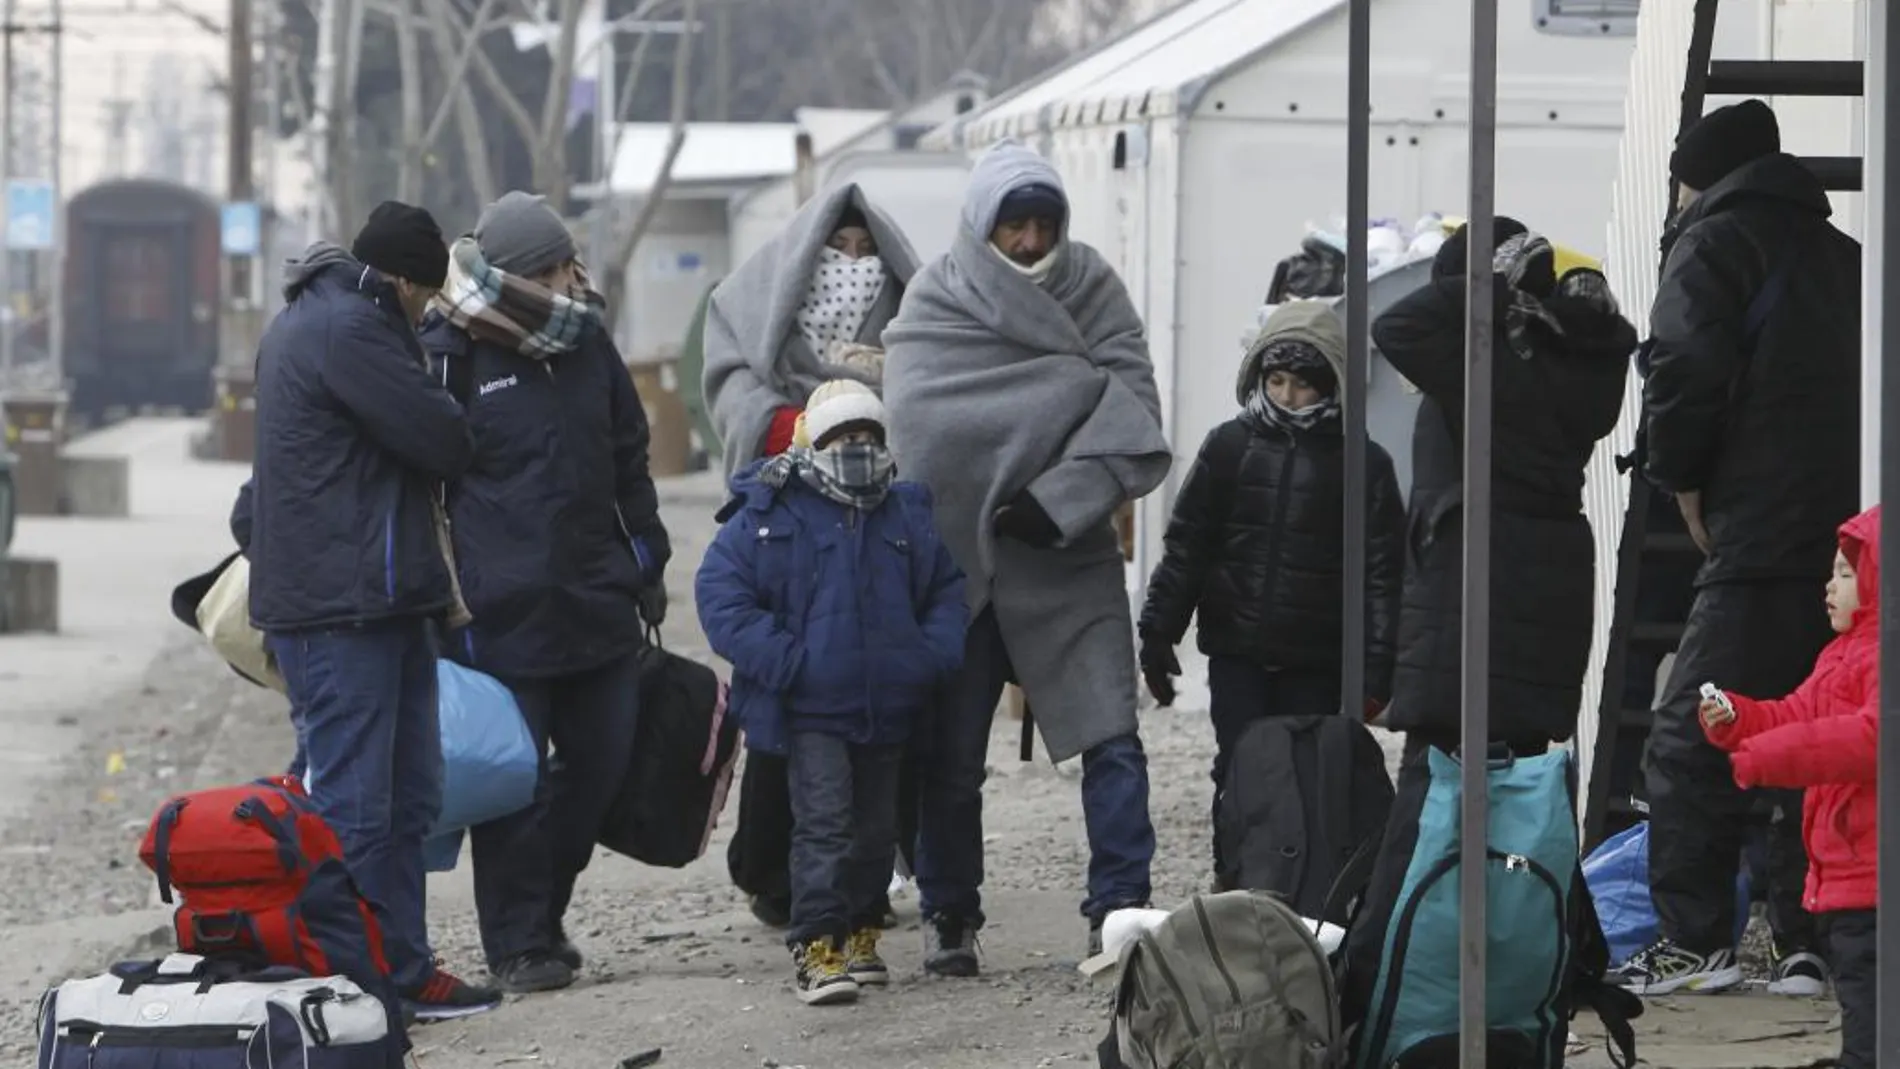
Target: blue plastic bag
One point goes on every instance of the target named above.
(489, 763)
(441, 853)
(1617, 873)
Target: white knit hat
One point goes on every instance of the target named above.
(838, 405)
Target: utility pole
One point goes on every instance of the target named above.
(7, 97)
(722, 60)
(273, 124)
(239, 186)
(56, 315)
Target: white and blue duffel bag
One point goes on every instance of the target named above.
(185, 1012)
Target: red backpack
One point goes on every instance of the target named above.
(262, 879)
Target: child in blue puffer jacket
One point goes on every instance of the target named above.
(841, 612)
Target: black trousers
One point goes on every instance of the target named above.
(844, 834)
(1850, 953)
(526, 863)
(759, 857)
(1758, 639)
(1241, 693)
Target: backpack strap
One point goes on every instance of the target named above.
(1589, 987)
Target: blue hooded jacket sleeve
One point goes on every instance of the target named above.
(944, 616)
(738, 624)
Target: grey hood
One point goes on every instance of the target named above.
(1004, 169)
(303, 269)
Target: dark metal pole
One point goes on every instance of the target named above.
(1358, 345)
(1883, 142)
(242, 122)
(1475, 830)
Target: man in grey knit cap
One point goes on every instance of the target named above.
(557, 531)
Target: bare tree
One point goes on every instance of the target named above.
(457, 38)
(615, 274)
(409, 65)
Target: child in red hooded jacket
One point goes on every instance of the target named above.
(1824, 738)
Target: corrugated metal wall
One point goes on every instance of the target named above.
(1651, 113)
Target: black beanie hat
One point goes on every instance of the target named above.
(851, 216)
(1455, 252)
(1034, 201)
(1725, 140)
(402, 240)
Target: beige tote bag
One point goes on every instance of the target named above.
(224, 617)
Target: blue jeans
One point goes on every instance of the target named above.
(950, 798)
(365, 710)
(526, 863)
(844, 833)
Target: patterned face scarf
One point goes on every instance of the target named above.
(497, 307)
(1300, 358)
(843, 292)
(856, 476)
(1519, 259)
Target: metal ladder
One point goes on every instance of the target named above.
(1656, 560)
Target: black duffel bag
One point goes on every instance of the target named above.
(684, 750)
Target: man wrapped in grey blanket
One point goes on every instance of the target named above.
(1021, 393)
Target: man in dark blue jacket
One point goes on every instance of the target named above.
(558, 534)
(348, 569)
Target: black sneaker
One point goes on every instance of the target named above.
(565, 951)
(950, 948)
(1663, 968)
(530, 973)
(1799, 975)
(775, 913)
(444, 996)
(823, 978)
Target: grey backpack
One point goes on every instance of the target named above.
(1228, 981)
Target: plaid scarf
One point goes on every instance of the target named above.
(494, 306)
(1514, 260)
(1263, 413)
(855, 476)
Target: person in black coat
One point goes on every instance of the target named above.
(562, 553)
(1751, 406)
(348, 577)
(1256, 546)
(1560, 360)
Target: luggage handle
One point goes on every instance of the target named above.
(181, 964)
(162, 846)
(252, 810)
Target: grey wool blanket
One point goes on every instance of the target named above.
(997, 383)
(756, 359)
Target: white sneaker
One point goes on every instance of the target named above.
(1663, 968)
(1799, 975)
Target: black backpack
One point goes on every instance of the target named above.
(1305, 803)
(684, 750)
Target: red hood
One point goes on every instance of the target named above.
(1860, 544)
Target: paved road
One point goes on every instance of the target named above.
(115, 580)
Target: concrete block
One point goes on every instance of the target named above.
(96, 486)
(29, 594)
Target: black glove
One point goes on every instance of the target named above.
(653, 604)
(1025, 520)
(1159, 666)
